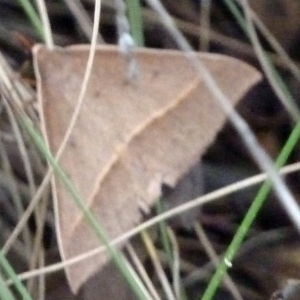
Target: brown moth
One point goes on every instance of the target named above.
(130, 137)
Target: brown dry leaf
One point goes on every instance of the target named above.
(130, 136)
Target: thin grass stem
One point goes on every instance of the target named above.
(11, 274)
(213, 196)
(46, 23)
(114, 253)
(136, 22)
(250, 217)
(5, 293)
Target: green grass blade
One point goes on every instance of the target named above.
(114, 253)
(135, 20)
(5, 293)
(12, 275)
(33, 17)
(250, 217)
(237, 14)
(163, 231)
